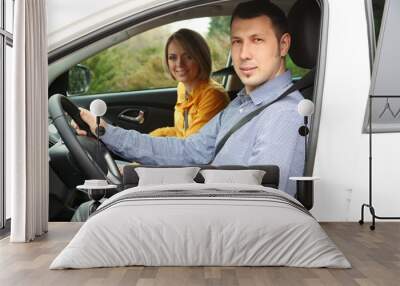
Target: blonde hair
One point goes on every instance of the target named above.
(195, 45)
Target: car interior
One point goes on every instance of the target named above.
(73, 159)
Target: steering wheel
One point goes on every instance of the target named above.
(93, 159)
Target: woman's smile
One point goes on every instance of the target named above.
(182, 65)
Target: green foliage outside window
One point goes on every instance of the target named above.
(297, 72)
(218, 39)
(138, 63)
(219, 26)
(132, 65)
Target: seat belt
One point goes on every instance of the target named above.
(304, 82)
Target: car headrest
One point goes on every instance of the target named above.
(304, 20)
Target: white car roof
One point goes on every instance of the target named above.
(71, 19)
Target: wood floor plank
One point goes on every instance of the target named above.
(374, 255)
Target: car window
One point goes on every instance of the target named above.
(138, 64)
(297, 72)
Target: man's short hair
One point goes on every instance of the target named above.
(256, 8)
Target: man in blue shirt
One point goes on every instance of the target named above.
(259, 44)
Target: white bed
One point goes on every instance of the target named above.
(201, 224)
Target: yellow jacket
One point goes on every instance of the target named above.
(203, 103)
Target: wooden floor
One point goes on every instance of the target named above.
(374, 255)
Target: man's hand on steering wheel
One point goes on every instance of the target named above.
(90, 120)
(95, 162)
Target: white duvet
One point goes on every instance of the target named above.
(207, 230)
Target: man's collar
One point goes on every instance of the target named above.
(270, 90)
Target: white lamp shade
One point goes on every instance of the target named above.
(305, 107)
(98, 107)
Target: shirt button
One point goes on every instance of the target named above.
(241, 110)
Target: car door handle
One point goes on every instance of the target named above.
(139, 119)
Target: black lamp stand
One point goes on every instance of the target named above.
(303, 131)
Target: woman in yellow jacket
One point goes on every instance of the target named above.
(200, 98)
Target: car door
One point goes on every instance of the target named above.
(143, 110)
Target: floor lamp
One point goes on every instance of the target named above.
(384, 85)
(370, 203)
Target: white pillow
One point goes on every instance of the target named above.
(248, 177)
(163, 176)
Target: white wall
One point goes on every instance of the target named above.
(342, 152)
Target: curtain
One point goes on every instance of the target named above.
(26, 123)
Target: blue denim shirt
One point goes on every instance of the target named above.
(271, 138)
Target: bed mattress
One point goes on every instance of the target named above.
(201, 225)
